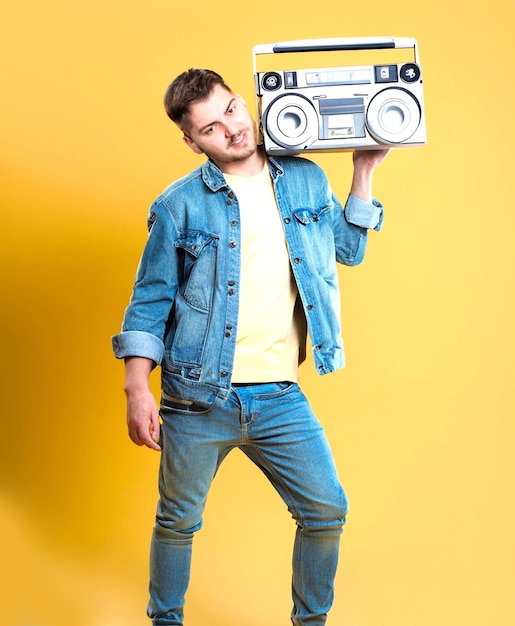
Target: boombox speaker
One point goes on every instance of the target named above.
(340, 108)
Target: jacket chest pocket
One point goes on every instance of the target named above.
(197, 254)
(311, 215)
(192, 308)
(317, 237)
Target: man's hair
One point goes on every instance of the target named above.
(193, 85)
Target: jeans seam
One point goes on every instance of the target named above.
(291, 501)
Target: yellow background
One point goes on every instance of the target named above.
(421, 420)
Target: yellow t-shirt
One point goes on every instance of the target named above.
(267, 342)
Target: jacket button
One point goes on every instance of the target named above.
(231, 292)
(232, 244)
(309, 307)
(224, 374)
(233, 223)
(228, 202)
(296, 260)
(231, 194)
(231, 283)
(287, 220)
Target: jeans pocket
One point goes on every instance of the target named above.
(181, 405)
(274, 390)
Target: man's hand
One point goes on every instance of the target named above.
(365, 162)
(142, 411)
(369, 159)
(143, 419)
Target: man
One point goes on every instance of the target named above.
(240, 262)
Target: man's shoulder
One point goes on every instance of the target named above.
(191, 178)
(296, 163)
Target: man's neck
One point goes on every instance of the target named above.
(252, 166)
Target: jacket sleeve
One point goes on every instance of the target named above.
(364, 214)
(351, 225)
(150, 308)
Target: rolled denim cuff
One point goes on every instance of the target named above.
(364, 214)
(138, 343)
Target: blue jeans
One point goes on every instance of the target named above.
(274, 426)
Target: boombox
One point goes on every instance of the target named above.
(340, 108)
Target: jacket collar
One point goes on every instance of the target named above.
(214, 179)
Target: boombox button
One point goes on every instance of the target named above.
(290, 79)
(410, 72)
(386, 73)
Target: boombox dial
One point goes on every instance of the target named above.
(340, 108)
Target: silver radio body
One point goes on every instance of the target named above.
(340, 108)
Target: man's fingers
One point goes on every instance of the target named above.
(145, 437)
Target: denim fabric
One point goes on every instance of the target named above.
(275, 427)
(184, 309)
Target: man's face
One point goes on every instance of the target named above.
(222, 129)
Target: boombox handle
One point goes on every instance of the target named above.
(329, 45)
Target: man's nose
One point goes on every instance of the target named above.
(231, 129)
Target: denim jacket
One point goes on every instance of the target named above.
(183, 313)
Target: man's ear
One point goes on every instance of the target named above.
(189, 141)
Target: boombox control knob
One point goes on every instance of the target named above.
(271, 81)
(410, 72)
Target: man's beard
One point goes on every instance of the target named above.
(246, 152)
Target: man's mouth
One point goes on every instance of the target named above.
(239, 140)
